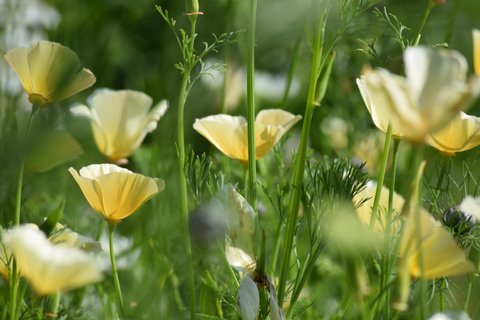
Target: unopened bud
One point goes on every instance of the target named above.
(439, 1)
(192, 9)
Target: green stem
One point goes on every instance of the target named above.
(299, 168)
(14, 279)
(387, 261)
(23, 149)
(426, 13)
(441, 296)
(292, 69)
(53, 304)
(111, 228)
(251, 105)
(381, 176)
(469, 292)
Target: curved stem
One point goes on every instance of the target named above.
(111, 228)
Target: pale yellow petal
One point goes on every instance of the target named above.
(123, 194)
(410, 235)
(50, 268)
(88, 190)
(441, 255)
(476, 50)
(227, 133)
(80, 81)
(17, 58)
(461, 134)
(364, 211)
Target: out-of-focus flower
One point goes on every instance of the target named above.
(368, 150)
(460, 134)
(115, 192)
(476, 50)
(248, 299)
(229, 133)
(441, 255)
(49, 267)
(49, 72)
(269, 86)
(120, 120)
(336, 129)
(432, 94)
(364, 211)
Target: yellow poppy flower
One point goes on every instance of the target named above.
(441, 255)
(49, 72)
(115, 192)
(49, 267)
(120, 120)
(476, 50)
(229, 133)
(434, 92)
(364, 210)
(461, 134)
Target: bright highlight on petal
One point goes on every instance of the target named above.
(120, 120)
(229, 133)
(461, 134)
(49, 72)
(427, 99)
(115, 192)
(48, 267)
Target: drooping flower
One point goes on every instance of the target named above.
(115, 192)
(433, 92)
(49, 267)
(460, 134)
(120, 120)
(229, 133)
(49, 72)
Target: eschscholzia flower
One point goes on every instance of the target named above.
(432, 94)
(460, 134)
(49, 72)
(120, 120)
(115, 192)
(229, 133)
(50, 268)
(365, 199)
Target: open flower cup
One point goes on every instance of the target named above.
(115, 192)
(229, 133)
(433, 92)
(120, 120)
(49, 72)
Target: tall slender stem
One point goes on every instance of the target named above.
(118, 289)
(251, 105)
(299, 168)
(381, 176)
(184, 192)
(23, 149)
(426, 13)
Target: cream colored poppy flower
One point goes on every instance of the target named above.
(49, 267)
(120, 120)
(442, 257)
(434, 92)
(115, 192)
(476, 50)
(461, 134)
(366, 198)
(229, 133)
(49, 72)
